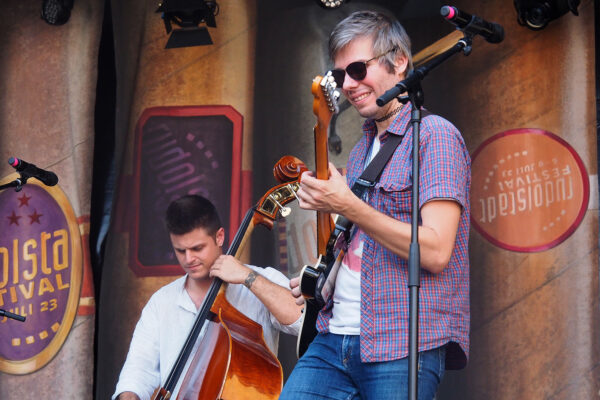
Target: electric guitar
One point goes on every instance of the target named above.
(316, 282)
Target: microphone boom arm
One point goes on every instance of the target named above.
(8, 314)
(412, 83)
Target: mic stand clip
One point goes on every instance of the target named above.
(17, 184)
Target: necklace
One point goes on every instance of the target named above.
(388, 115)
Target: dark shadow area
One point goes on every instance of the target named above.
(103, 178)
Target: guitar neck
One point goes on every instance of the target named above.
(324, 222)
(323, 107)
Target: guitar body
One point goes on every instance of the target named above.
(309, 277)
(308, 331)
(317, 283)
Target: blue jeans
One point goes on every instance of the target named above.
(331, 369)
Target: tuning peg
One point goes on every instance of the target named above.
(285, 211)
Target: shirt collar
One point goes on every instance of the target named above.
(397, 127)
(183, 298)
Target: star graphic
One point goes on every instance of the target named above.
(24, 200)
(35, 217)
(14, 219)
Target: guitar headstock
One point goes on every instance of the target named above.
(325, 102)
(324, 106)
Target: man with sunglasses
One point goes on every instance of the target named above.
(361, 350)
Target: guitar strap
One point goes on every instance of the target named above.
(371, 174)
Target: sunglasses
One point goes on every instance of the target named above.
(356, 70)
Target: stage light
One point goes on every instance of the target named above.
(56, 12)
(535, 14)
(331, 3)
(188, 15)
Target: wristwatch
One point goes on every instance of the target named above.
(250, 279)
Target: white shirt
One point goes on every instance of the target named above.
(346, 296)
(166, 321)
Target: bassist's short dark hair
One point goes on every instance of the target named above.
(191, 212)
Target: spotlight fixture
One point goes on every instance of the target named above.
(56, 12)
(332, 3)
(535, 14)
(188, 15)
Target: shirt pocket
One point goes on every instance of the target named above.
(394, 199)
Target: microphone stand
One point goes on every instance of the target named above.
(17, 184)
(412, 86)
(4, 313)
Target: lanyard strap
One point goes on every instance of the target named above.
(371, 174)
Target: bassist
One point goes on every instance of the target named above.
(197, 238)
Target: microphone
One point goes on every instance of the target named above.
(31, 171)
(492, 32)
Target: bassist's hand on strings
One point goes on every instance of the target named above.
(229, 269)
(331, 196)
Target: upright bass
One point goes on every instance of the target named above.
(233, 360)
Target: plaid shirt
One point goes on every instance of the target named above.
(444, 297)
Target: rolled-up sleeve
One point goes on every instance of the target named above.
(277, 277)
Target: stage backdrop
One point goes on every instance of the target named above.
(200, 119)
(525, 108)
(47, 94)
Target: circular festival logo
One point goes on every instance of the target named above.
(529, 190)
(41, 274)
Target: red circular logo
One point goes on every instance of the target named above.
(529, 190)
